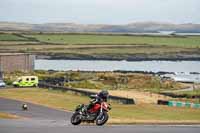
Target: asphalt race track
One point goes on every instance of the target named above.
(40, 119)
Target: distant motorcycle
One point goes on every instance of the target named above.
(98, 113)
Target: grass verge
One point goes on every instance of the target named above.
(7, 116)
(126, 114)
(189, 93)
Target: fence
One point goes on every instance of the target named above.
(122, 100)
(183, 104)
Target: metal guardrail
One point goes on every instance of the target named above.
(122, 100)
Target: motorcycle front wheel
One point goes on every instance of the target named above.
(76, 119)
(101, 120)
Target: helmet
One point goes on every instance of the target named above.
(103, 94)
(24, 107)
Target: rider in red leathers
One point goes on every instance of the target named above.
(98, 98)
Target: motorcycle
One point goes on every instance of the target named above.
(98, 113)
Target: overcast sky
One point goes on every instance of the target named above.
(100, 11)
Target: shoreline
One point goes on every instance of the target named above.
(133, 58)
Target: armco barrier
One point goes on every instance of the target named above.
(183, 104)
(122, 100)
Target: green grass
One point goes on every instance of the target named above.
(119, 113)
(189, 41)
(155, 112)
(116, 47)
(99, 80)
(11, 37)
(190, 93)
(58, 99)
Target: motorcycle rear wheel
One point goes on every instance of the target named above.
(103, 119)
(76, 119)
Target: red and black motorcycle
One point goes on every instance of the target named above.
(98, 113)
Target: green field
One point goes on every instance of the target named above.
(189, 41)
(12, 37)
(189, 93)
(101, 46)
(119, 113)
(100, 39)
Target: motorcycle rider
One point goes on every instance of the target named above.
(98, 98)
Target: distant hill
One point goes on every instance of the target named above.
(139, 27)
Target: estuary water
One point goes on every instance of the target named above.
(104, 65)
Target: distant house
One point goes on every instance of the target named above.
(10, 62)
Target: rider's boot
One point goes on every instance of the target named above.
(85, 111)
